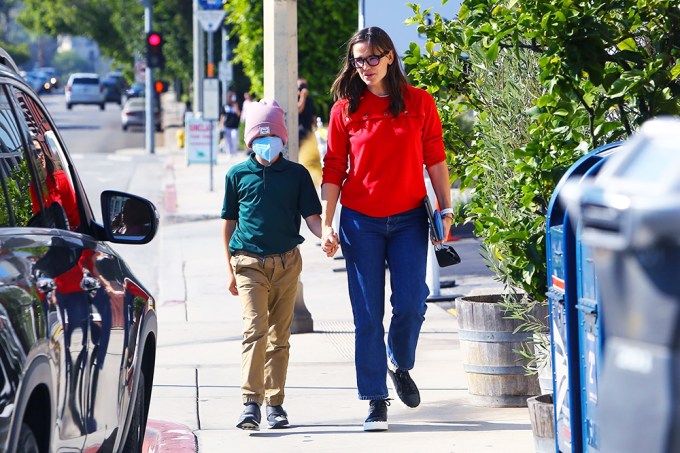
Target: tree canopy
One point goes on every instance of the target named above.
(324, 26)
(118, 28)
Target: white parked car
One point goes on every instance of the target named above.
(85, 88)
(134, 114)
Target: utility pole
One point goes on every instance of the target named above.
(149, 129)
(280, 83)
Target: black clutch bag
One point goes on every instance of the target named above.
(446, 254)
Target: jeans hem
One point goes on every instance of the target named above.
(373, 398)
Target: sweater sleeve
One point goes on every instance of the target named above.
(433, 140)
(337, 152)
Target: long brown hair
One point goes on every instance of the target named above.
(348, 85)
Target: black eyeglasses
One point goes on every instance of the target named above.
(371, 60)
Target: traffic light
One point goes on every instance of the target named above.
(154, 50)
(160, 86)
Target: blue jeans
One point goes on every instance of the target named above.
(368, 243)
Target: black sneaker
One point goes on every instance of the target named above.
(250, 417)
(377, 415)
(406, 389)
(276, 417)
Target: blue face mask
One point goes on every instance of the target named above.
(267, 147)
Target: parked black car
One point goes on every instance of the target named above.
(77, 329)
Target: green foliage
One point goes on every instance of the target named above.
(16, 190)
(69, 62)
(545, 81)
(118, 28)
(19, 52)
(324, 26)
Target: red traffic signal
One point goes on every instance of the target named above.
(154, 50)
(155, 39)
(160, 86)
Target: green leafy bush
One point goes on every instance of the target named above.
(526, 87)
(545, 81)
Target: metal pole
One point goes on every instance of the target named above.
(148, 76)
(197, 105)
(212, 153)
(211, 74)
(225, 55)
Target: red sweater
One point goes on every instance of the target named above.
(378, 159)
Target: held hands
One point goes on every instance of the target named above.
(329, 241)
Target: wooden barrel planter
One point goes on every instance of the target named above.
(542, 422)
(488, 341)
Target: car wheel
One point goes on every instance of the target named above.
(125, 127)
(135, 437)
(27, 441)
(102, 106)
(69, 106)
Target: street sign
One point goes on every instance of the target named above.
(210, 4)
(211, 20)
(211, 99)
(201, 141)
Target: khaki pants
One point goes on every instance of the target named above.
(267, 286)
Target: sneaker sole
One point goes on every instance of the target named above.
(248, 425)
(375, 426)
(401, 401)
(279, 425)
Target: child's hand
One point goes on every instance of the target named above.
(231, 284)
(329, 242)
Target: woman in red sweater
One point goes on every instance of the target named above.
(382, 132)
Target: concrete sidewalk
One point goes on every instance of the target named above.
(196, 383)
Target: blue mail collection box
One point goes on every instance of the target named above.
(590, 339)
(576, 336)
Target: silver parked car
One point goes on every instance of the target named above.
(134, 114)
(85, 88)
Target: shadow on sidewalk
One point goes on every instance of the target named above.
(468, 425)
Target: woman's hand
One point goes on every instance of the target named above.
(329, 241)
(447, 220)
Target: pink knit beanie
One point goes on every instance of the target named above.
(264, 117)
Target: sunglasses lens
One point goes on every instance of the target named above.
(373, 60)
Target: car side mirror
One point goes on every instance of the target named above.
(128, 219)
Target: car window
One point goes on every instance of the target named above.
(16, 207)
(54, 181)
(86, 81)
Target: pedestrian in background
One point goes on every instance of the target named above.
(381, 132)
(306, 111)
(247, 100)
(231, 114)
(265, 198)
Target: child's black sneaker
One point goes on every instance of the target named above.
(250, 417)
(377, 415)
(276, 417)
(407, 391)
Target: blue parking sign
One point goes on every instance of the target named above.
(210, 4)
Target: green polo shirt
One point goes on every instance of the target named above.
(268, 204)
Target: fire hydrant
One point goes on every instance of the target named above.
(180, 137)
